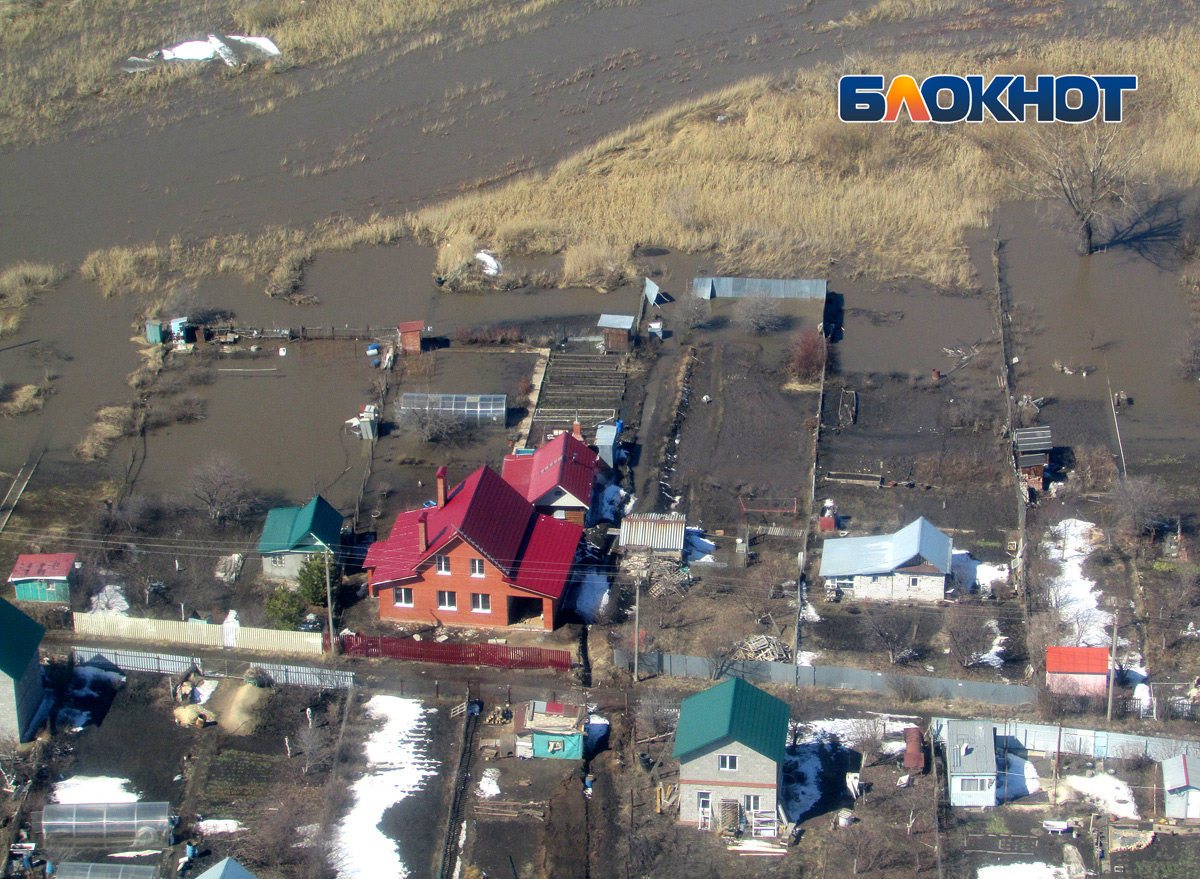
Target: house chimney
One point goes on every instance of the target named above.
(441, 486)
(577, 430)
(422, 534)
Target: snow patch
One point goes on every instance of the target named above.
(1069, 543)
(973, 574)
(597, 732)
(111, 599)
(1110, 794)
(491, 265)
(994, 657)
(82, 790)
(73, 719)
(203, 691)
(591, 594)
(88, 677)
(806, 657)
(607, 505)
(697, 549)
(1019, 779)
(397, 754)
(143, 853)
(489, 784)
(809, 613)
(1022, 871)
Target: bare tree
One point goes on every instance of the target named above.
(970, 633)
(436, 427)
(758, 314)
(693, 313)
(222, 487)
(1137, 504)
(313, 742)
(1085, 169)
(902, 634)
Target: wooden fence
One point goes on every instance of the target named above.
(197, 634)
(495, 655)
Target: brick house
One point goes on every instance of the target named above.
(910, 565)
(558, 479)
(44, 577)
(482, 557)
(20, 671)
(1077, 671)
(730, 746)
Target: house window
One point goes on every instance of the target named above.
(277, 561)
(481, 602)
(727, 761)
(443, 563)
(402, 596)
(971, 784)
(874, 578)
(476, 567)
(751, 802)
(912, 582)
(447, 600)
(703, 801)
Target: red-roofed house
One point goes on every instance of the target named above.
(1077, 671)
(410, 336)
(44, 577)
(557, 479)
(482, 557)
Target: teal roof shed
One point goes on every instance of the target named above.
(20, 636)
(734, 710)
(316, 525)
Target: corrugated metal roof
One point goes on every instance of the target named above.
(56, 566)
(1033, 439)
(20, 636)
(853, 556)
(1181, 772)
(227, 869)
(564, 462)
(1077, 660)
(660, 532)
(707, 288)
(737, 710)
(616, 321)
(650, 291)
(970, 748)
(316, 524)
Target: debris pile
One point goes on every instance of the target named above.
(664, 576)
(763, 648)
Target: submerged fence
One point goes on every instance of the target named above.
(495, 655)
(829, 677)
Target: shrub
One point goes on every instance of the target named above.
(285, 608)
(806, 356)
(310, 583)
(757, 314)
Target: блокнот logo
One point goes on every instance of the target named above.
(1073, 98)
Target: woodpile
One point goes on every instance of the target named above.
(763, 648)
(663, 576)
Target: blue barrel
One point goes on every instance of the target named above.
(189, 850)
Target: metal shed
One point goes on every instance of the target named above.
(606, 443)
(1181, 786)
(146, 825)
(1033, 445)
(657, 532)
(732, 288)
(971, 763)
(104, 871)
(472, 407)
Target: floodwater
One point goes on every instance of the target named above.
(525, 102)
(1118, 313)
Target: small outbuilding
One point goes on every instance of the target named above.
(550, 729)
(971, 763)
(1077, 671)
(410, 336)
(618, 331)
(606, 443)
(292, 534)
(1032, 447)
(656, 533)
(227, 869)
(1181, 786)
(41, 577)
(20, 672)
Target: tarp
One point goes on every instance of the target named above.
(562, 747)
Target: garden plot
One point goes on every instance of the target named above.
(1069, 543)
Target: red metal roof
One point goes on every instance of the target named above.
(1077, 660)
(411, 326)
(532, 551)
(564, 462)
(56, 566)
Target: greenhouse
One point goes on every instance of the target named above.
(104, 871)
(144, 825)
(472, 407)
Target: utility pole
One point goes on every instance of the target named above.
(637, 625)
(1112, 665)
(1057, 751)
(329, 606)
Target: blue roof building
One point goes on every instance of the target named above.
(910, 565)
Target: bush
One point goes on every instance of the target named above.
(806, 357)
(758, 314)
(285, 608)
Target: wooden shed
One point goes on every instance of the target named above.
(1032, 447)
(618, 331)
(410, 336)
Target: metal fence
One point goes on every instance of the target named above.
(159, 663)
(495, 655)
(828, 677)
(1097, 744)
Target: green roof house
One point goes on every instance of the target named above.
(292, 534)
(226, 869)
(730, 747)
(20, 672)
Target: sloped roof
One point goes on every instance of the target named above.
(616, 321)
(1077, 660)
(316, 523)
(564, 463)
(227, 869)
(735, 710)
(56, 566)
(532, 551)
(411, 326)
(1033, 439)
(660, 532)
(1182, 771)
(970, 747)
(853, 556)
(20, 636)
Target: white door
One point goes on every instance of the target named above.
(1193, 804)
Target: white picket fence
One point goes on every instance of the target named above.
(197, 634)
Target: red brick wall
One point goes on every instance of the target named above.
(459, 581)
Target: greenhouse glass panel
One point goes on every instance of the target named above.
(104, 871)
(474, 407)
(146, 825)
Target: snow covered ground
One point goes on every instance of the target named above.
(1022, 871)
(1019, 779)
(697, 550)
(608, 505)
(973, 574)
(210, 826)
(1111, 794)
(398, 765)
(83, 790)
(110, 599)
(489, 783)
(1069, 543)
(591, 594)
(995, 656)
(91, 682)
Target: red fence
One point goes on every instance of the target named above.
(496, 655)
